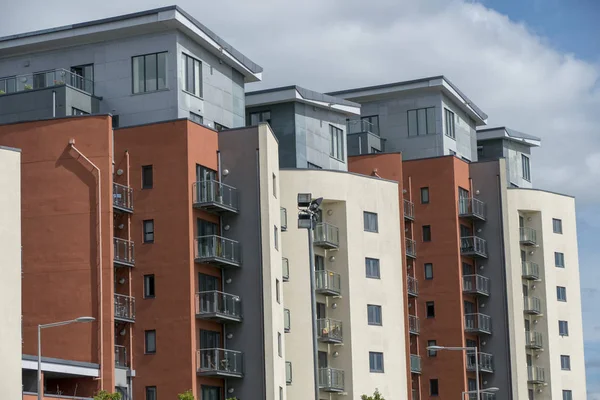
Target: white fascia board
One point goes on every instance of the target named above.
(280, 96)
(62, 368)
(461, 100)
(334, 106)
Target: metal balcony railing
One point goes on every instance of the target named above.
(409, 210)
(531, 270)
(536, 374)
(331, 380)
(283, 217)
(471, 208)
(534, 340)
(527, 236)
(415, 364)
(413, 325)
(329, 330)
(124, 253)
(362, 126)
(220, 362)
(478, 322)
(121, 356)
(482, 396)
(411, 248)
(532, 305)
(45, 79)
(485, 362)
(473, 246)
(218, 250)
(412, 286)
(218, 306)
(328, 283)
(122, 197)
(476, 284)
(124, 308)
(214, 196)
(285, 265)
(288, 372)
(327, 236)
(287, 320)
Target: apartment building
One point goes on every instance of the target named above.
(10, 281)
(360, 317)
(310, 126)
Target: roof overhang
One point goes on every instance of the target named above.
(508, 134)
(145, 22)
(61, 366)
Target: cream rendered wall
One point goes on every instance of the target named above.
(10, 273)
(539, 208)
(346, 197)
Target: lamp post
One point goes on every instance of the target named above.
(40, 387)
(466, 349)
(306, 220)
(486, 390)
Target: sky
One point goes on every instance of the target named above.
(531, 65)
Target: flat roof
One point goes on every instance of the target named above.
(503, 132)
(10, 149)
(434, 81)
(158, 19)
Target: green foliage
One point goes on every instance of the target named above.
(231, 398)
(376, 396)
(28, 87)
(104, 395)
(187, 395)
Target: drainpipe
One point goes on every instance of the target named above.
(100, 309)
(54, 104)
(220, 177)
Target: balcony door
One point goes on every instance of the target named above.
(210, 393)
(521, 222)
(321, 310)
(523, 255)
(205, 190)
(319, 263)
(84, 78)
(470, 307)
(210, 339)
(206, 228)
(207, 283)
(322, 359)
(468, 269)
(465, 231)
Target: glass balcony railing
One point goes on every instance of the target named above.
(329, 330)
(121, 356)
(328, 283)
(471, 208)
(327, 236)
(124, 252)
(412, 286)
(534, 340)
(536, 374)
(413, 325)
(409, 210)
(288, 372)
(220, 362)
(283, 212)
(331, 380)
(411, 248)
(362, 126)
(415, 364)
(476, 284)
(122, 197)
(285, 265)
(218, 306)
(214, 196)
(478, 322)
(482, 395)
(532, 305)
(527, 236)
(473, 246)
(45, 79)
(531, 270)
(218, 250)
(485, 362)
(287, 320)
(124, 308)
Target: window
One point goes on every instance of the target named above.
(567, 395)
(219, 127)
(480, 152)
(151, 393)
(421, 121)
(192, 71)
(559, 259)
(279, 345)
(424, 195)
(430, 305)
(274, 186)
(150, 341)
(374, 314)
(8, 85)
(434, 389)
(563, 328)
(211, 393)
(374, 150)
(312, 166)
(149, 72)
(431, 353)
(565, 363)
(372, 123)
(77, 111)
(557, 225)
(371, 224)
(336, 142)
(277, 295)
(428, 271)
(561, 293)
(276, 237)
(258, 117)
(525, 165)
(449, 116)
(149, 231)
(375, 361)
(85, 80)
(149, 292)
(199, 119)
(147, 177)
(115, 121)
(427, 233)
(372, 265)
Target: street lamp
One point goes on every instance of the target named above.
(307, 214)
(466, 349)
(40, 387)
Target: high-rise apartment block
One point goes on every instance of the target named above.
(161, 199)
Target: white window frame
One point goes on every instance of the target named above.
(371, 222)
(373, 268)
(376, 312)
(557, 225)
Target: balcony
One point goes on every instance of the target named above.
(45, 79)
(121, 356)
(527, 236)
(283, 217)
(413, 325)
(482, 395)
(329, 331)
(476, 284)
(122, 198)
(124, 308)
(285, 265)
(534, 340)
(217, 250)
(471, 208)
(411, 248)
(124, 252)
(415, 364)
(478, 323)
(532, 305)
(409, 210)
(362, 126)
(218, 306)
(288, 373)
(531, 271)
(327, 236)
(331, 380)
(214, 196)
(485, 362)
(328, 283)
(220, 363)
(473, 246)
(536, 375)
(287, 320)
(412, 286)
